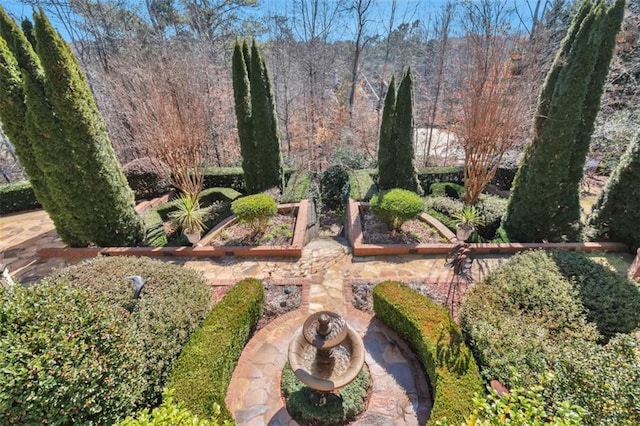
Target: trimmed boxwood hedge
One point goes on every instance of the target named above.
(361, 185)
(438, 343)
(202, 374)
(226, 177)
(297, 187)
(17, 197)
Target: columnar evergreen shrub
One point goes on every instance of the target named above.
(97, 197)
(17, 56)
(257, 124)
(396, 159)
(544, 203)
(616, 214)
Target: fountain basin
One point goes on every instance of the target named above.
(323, 367)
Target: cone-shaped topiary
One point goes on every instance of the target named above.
(616, 214)
(386, 145)
(396, 160)
(17, 54)
(265, 127)
(544, 203)
(100, 201)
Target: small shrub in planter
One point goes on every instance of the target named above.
(173, 303)
(255, 210)
(396, 206)
(66, 358)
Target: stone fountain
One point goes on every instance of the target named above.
(326, 354)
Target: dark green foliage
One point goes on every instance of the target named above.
(522, 315)
(97, 197)
(504, 177)
(297, 187)
(361, 185)
(396, 159)
(602, 380)
(212, 195)
(144, 179)
(65, 358)
(338, 410)
(396, 206)
(17, 197)
(492, 210)
(16, 54)
(27, 30)
(155, 235)
(386, 143)
(616, 214)
(612, 301)
(443, 209)
(544, 203)
(242, 99)
(257, 124)
(224, 177)
(437, 341)
(430, 175)
(447, 189)
(334, 187)
(265, 124)
(203, 371)
(173, 303)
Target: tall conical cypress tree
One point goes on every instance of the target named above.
(386, 142)
(15, 54)
(406, 174)
(100, 200)
(265, 125)
(544, 203)
(616, 214)
(396, 159)
(242, 98)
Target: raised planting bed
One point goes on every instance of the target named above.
(203, 249)
(355, 235)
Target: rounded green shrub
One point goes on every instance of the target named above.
(334, 183)
(172, 304)
(255, 210)
(336, 411)
(66, 358)
(492, 209)
(521, 316)
(612, 301)
(396, 206)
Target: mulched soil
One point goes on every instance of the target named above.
(279, 232)
(411, 232)
(362, 294)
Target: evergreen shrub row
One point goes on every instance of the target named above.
(298, 187)
(447, 189)
(201, 376)
(17, 197)
(78, 349)
(437, 341)
(144, 179)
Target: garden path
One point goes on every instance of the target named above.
(400, 394)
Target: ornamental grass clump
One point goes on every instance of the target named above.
(255, 211)
(396, 206)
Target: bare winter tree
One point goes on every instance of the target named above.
(361, 10)
(490, 105)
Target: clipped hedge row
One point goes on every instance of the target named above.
(17, 197)
(155, 235)
(447, 189)
(226, 177)
(438, 343)
(201, 376)
(297, 187)
(361, 185)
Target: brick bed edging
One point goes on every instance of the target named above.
(294, 250)
(353, 230)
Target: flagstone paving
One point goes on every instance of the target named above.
(400, 393)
